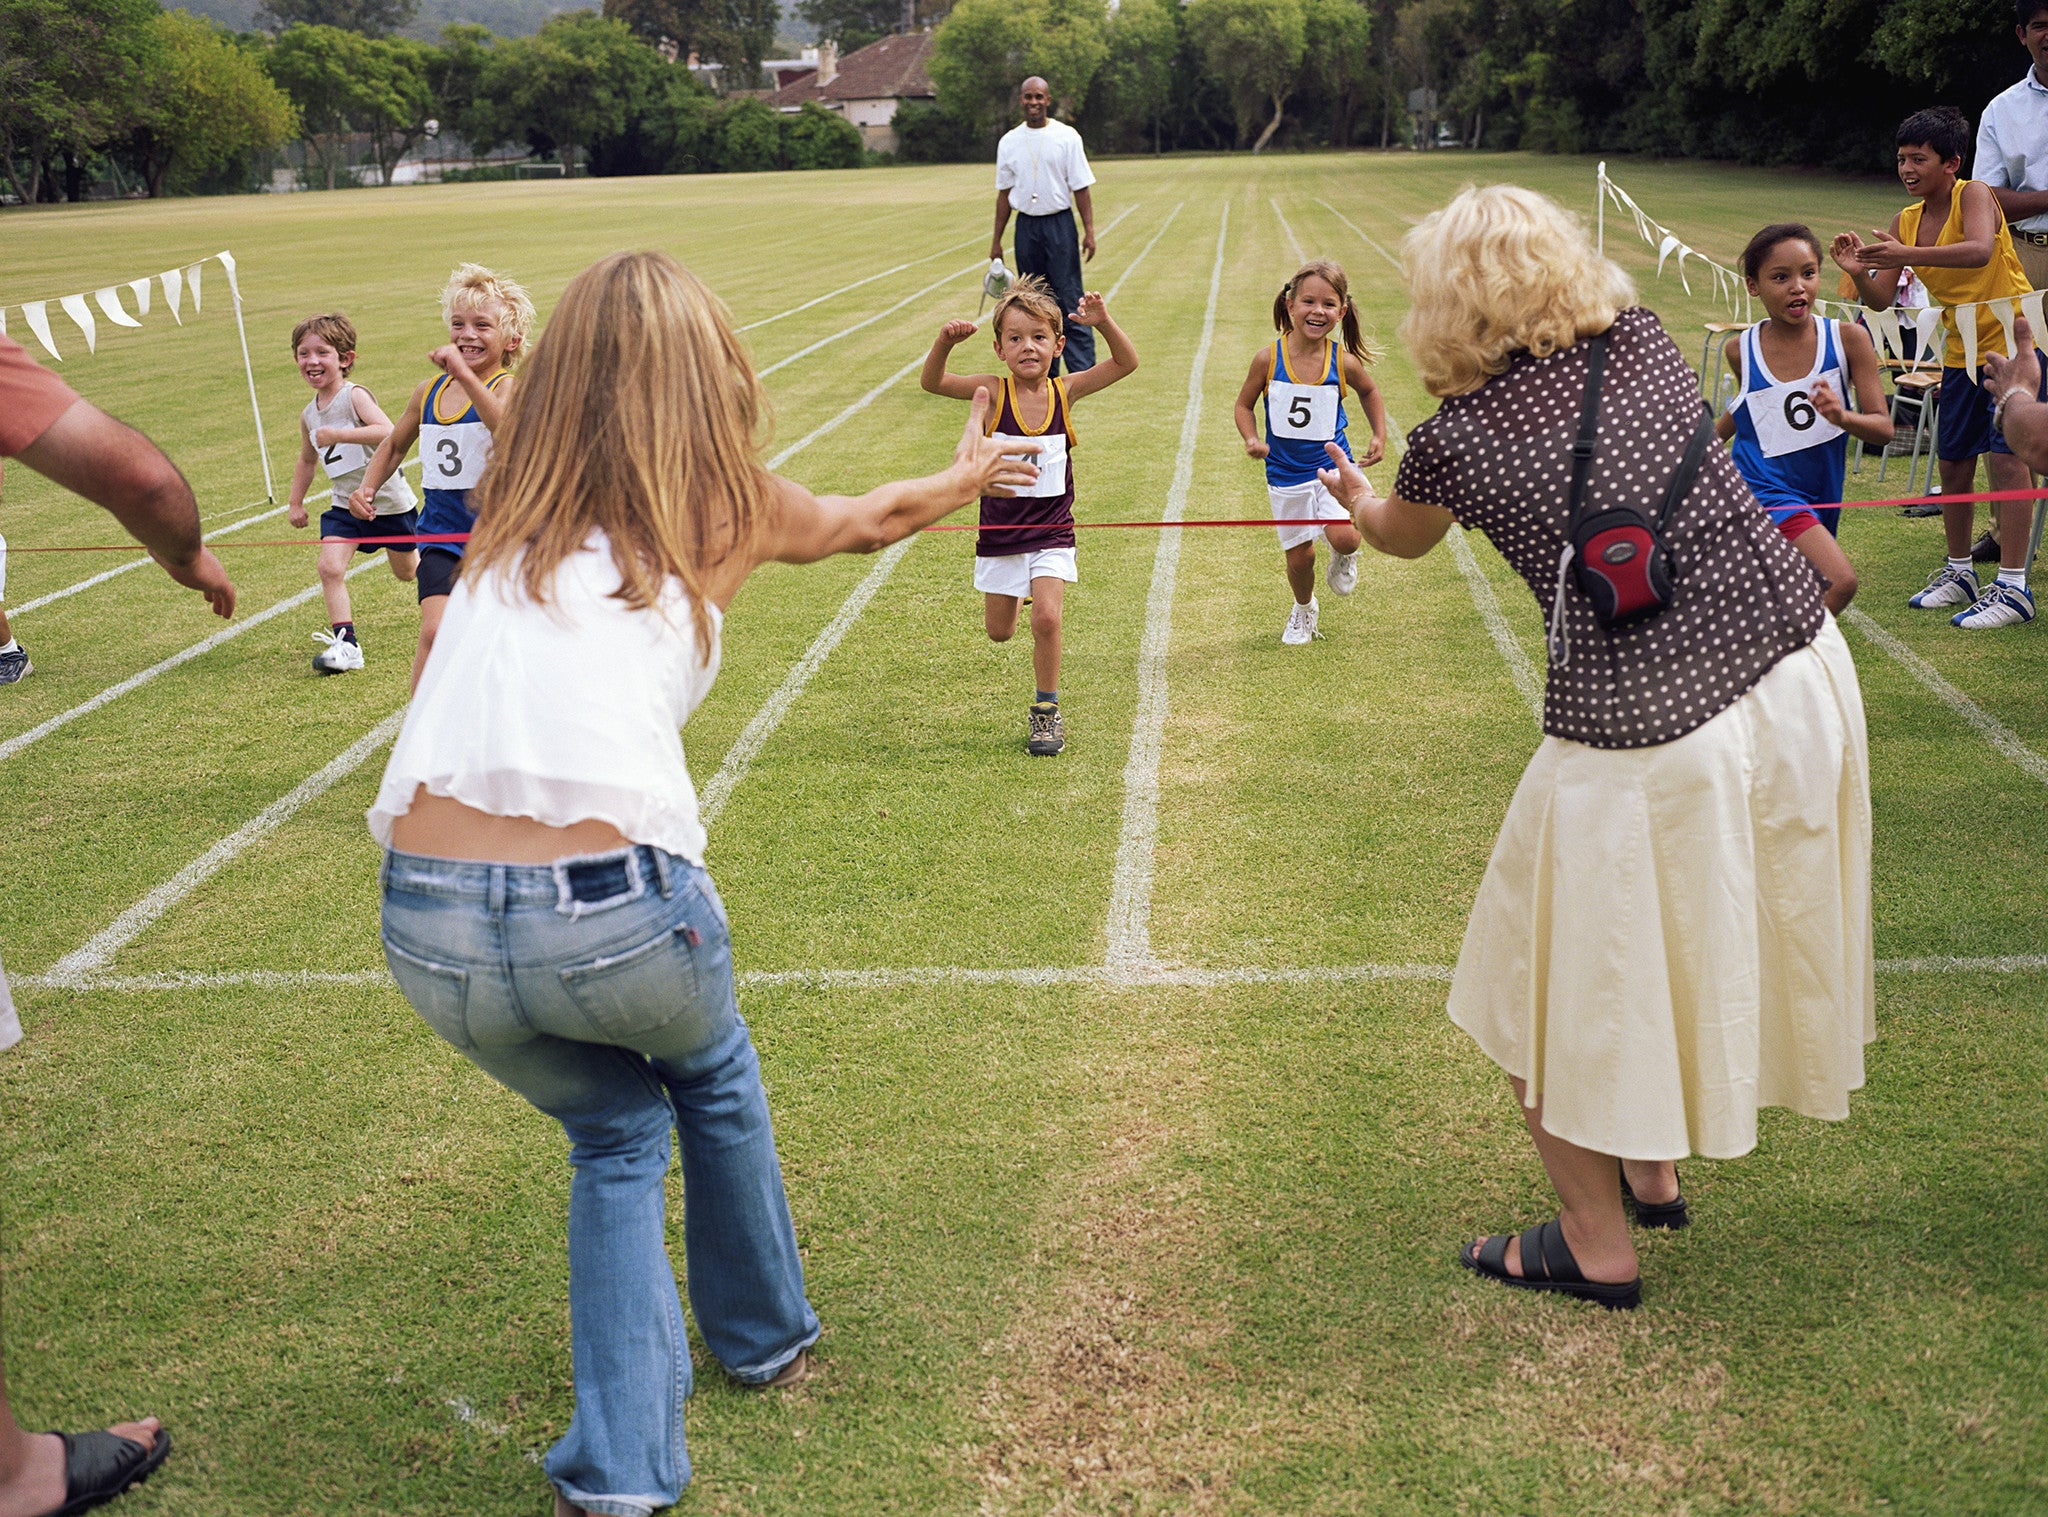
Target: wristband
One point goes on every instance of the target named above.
(1998, 410)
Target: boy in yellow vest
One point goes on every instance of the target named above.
(1955, 240)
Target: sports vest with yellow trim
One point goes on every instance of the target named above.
(1044, 518)
(2001, 279)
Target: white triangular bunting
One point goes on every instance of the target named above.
(227, 261)
(1966, 328)
(2002, 310)
(2030, 307)
(192, 279)
(174, 286)
(38, 314)
(110, 301)
(141, 289)
(76, 308)
(1927, 327)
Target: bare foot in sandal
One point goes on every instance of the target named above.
(35, 1473)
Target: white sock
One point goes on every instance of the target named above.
(1962, 565)
(13, 645)
(2017, 578)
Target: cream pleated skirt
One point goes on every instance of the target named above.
(1669, 938)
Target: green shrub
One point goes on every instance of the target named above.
(815, 138)
(749, 138)
(927, 133)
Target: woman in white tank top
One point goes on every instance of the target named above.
(546, 908)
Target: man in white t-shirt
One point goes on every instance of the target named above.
(1042, 174)
(2012, 148)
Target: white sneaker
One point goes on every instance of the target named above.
(1946, 587)
(2001, 605)
(1301, 624)
(340, 656)
(1343, 573)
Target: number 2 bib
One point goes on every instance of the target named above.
(1785, 418)
(343, 458)
(1051, 459)
(453, 455)
(1307, 412)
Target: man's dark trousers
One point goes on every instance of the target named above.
(1049, 247)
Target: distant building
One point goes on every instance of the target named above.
(865, 87)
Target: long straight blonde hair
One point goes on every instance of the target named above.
(640, 414)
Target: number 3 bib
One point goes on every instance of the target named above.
(1307, 412)
(453, 455)
(1785, 418)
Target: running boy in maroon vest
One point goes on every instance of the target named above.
(1026, 547)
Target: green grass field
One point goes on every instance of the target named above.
(1128, 1163)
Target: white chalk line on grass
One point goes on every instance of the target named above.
(1357, 232)
(847, 289)
(1527, 682)
(1989, 727)
(1164, 976)
(136, 563)
(747, 746)
(1294, 241)
(1129, 930)
(41, 730)
(98, 950)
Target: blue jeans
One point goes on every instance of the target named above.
(601, 990)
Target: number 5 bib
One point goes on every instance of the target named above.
(1306, 412)
(453, 455)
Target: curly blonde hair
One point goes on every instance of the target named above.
(472, 286)
(1497, 272)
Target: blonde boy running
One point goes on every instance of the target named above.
(339, 428)
(1026, 546)
(452, 417)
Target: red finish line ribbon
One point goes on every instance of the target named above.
(433, 539)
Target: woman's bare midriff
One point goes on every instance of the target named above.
(439, 828)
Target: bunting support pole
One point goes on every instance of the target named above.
(1600, 212)
(249, 369)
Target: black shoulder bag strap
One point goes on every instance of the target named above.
(1583, 449)
(1688, 466)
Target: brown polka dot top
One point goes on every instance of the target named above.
(1499, 459)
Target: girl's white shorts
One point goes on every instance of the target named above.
(1297, 501)
(1013, 573)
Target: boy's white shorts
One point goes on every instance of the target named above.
(1013, 573)
(1297, 501)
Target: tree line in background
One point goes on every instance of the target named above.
(168, 102)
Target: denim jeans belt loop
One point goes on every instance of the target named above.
(497, 897)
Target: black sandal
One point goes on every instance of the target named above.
(1547, 1265)
(1671, 1214)
(100, 1466)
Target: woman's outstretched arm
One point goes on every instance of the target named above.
(1400, 528)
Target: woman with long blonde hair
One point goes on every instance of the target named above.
(1674, 928)
(546, 907)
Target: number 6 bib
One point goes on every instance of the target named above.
(452, 456)
(1786, 420)
(1307, 412)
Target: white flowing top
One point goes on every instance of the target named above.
(566, 712)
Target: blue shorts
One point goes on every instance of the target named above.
(438, 567)
(339, 521)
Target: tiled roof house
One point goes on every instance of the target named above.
(866, 86)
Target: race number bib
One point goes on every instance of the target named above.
(1785, 419)
(341, 458)
(453, 457)
(1051, 459)
(1307, 412)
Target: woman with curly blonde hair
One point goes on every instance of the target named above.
(1674, 928)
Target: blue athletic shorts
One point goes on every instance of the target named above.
(438, 568)
(339, 521)
(1964, 428)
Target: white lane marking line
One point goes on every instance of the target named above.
(100, 948)
(1299, 255)
(136, 563)
(1163, 975)
(747, 746)
(1993, 731)
(1357, 233)
(1132, 267)
(1520, 670)
(978, 265)
(849, 288)
(1129, 930)
(41, 730)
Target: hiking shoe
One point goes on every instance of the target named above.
(1985, 550)
(340, 656)
(1343, 573)
(1048, 736)
(1301, 624)
(2001, 605)
(1946, 587)
(14, 666)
